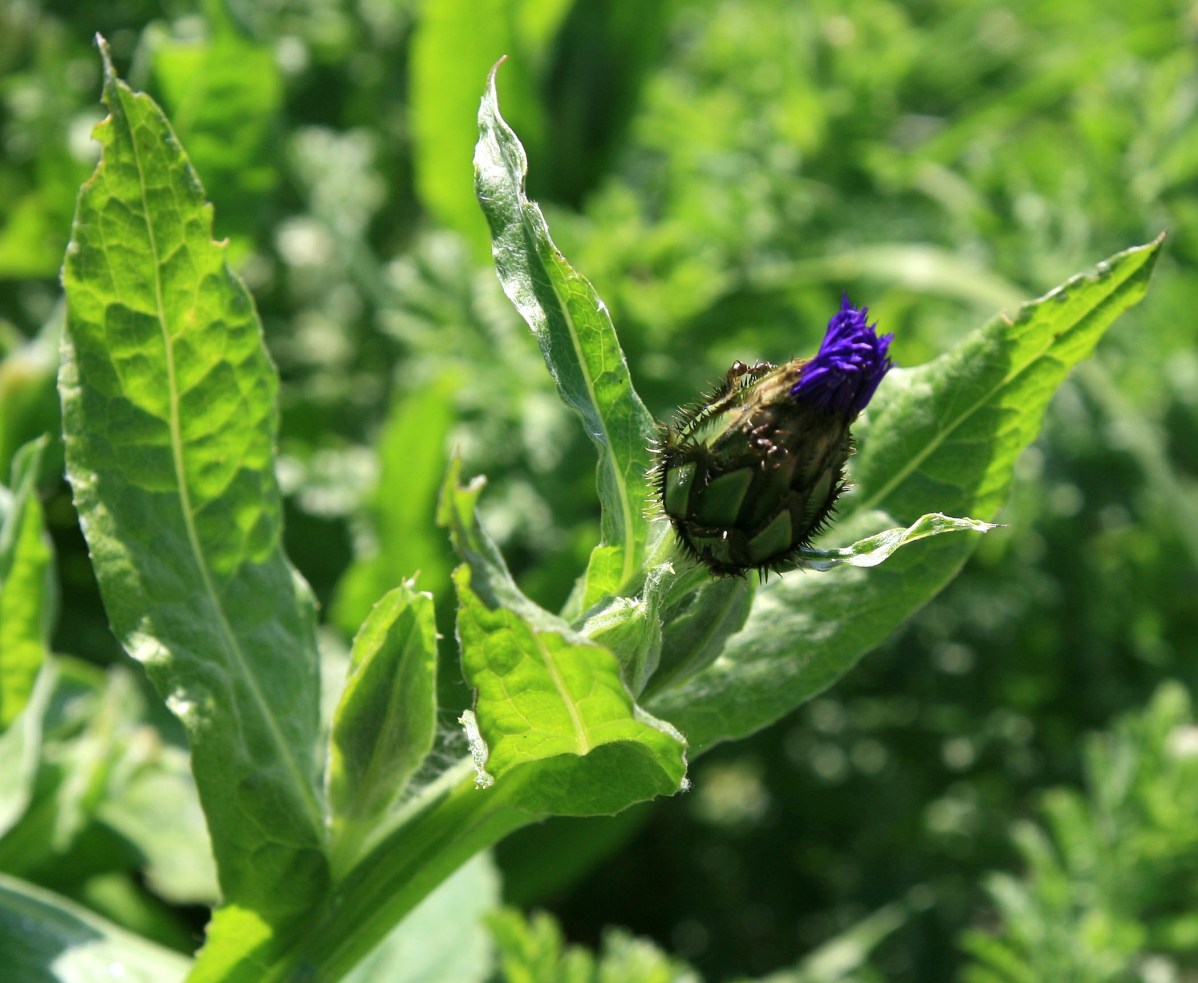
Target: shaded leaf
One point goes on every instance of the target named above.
(403, 504)
(454, 44)
(444, 937)
(224, 94)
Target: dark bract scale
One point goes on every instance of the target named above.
(750, 475)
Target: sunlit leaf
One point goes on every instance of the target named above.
(170, 421)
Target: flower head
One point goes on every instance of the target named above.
(749, 475)
(845, 372)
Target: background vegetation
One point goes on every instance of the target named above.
(721, 170)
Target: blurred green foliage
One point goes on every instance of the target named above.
(720, 169)
(1109, 889)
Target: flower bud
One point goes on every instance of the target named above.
(750, 475)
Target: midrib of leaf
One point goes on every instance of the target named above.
(580, 738)
(232, 644)
(933, 445)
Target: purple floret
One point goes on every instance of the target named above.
(845, 372)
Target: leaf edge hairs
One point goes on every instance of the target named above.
(750, 474)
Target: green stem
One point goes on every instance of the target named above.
(449, 823)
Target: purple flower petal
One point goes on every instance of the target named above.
(845, 372)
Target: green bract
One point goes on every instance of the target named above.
(749, 476)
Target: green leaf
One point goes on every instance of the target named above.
(20, 750)
(402, 506)
(55, 750)
(875, 549)
(695, 634)
(533, 948)
(156, 809)
(944, 435)
(28, 397)
(169, 407)
(491, 580)
(578, 342)
(384, 724)
(455, 42)
(224, 94)
(46, 938)
(26, 585)
(556, 717)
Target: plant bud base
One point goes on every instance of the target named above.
(749, 475)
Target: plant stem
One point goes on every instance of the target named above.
(450, 822)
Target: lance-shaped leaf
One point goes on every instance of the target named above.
(945, 435)
(26, 586)
(384, 724)
(557, 718)
(579, 344)
(170, 419)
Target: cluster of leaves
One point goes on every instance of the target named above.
(946, 161)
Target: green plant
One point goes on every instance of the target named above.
(1109, 888)
(323, 842)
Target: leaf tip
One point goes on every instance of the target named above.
(490, 96)
(106, 57)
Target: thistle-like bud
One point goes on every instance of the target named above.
(750, 475)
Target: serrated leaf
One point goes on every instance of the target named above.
(945, 435)
(556, 716)
(26, 590)
(385, 721)
(170, 420)
(579, 344)
(46, 938)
